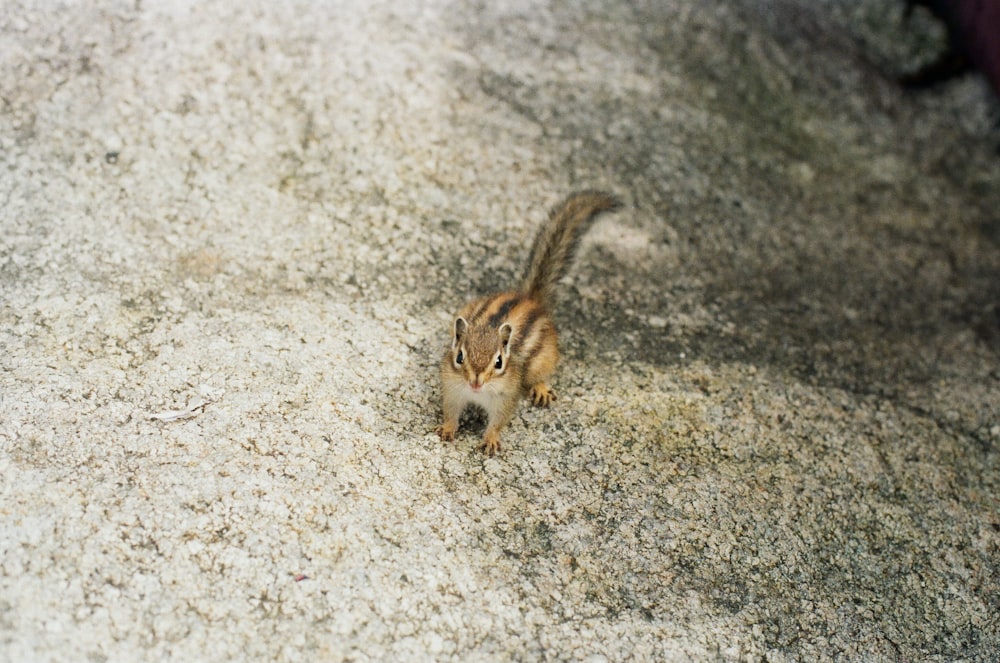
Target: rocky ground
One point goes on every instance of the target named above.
(777, 429)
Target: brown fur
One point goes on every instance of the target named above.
(514, 330)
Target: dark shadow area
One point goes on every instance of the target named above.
(817, 225)
(799, 214)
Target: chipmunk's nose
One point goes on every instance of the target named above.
(475, 384)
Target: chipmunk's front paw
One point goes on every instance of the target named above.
(491, 443)
(541, 395)
(446, 431)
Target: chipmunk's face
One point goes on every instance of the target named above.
(480, 353)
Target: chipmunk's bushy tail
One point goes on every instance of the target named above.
(558, 239)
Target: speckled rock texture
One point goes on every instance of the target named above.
(778, 423)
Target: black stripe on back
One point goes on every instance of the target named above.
(524, 331)
(485, 305)
(501, 313)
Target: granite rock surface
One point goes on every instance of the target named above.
(232, 237)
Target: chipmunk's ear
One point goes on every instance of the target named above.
(461, 326)
(505, 332)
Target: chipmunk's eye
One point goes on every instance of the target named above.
(459, 358)
(499, 362)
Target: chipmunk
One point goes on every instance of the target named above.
(504, 345)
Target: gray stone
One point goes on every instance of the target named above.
(777, 431)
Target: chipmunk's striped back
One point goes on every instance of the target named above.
(504, 345)
(558, 239)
